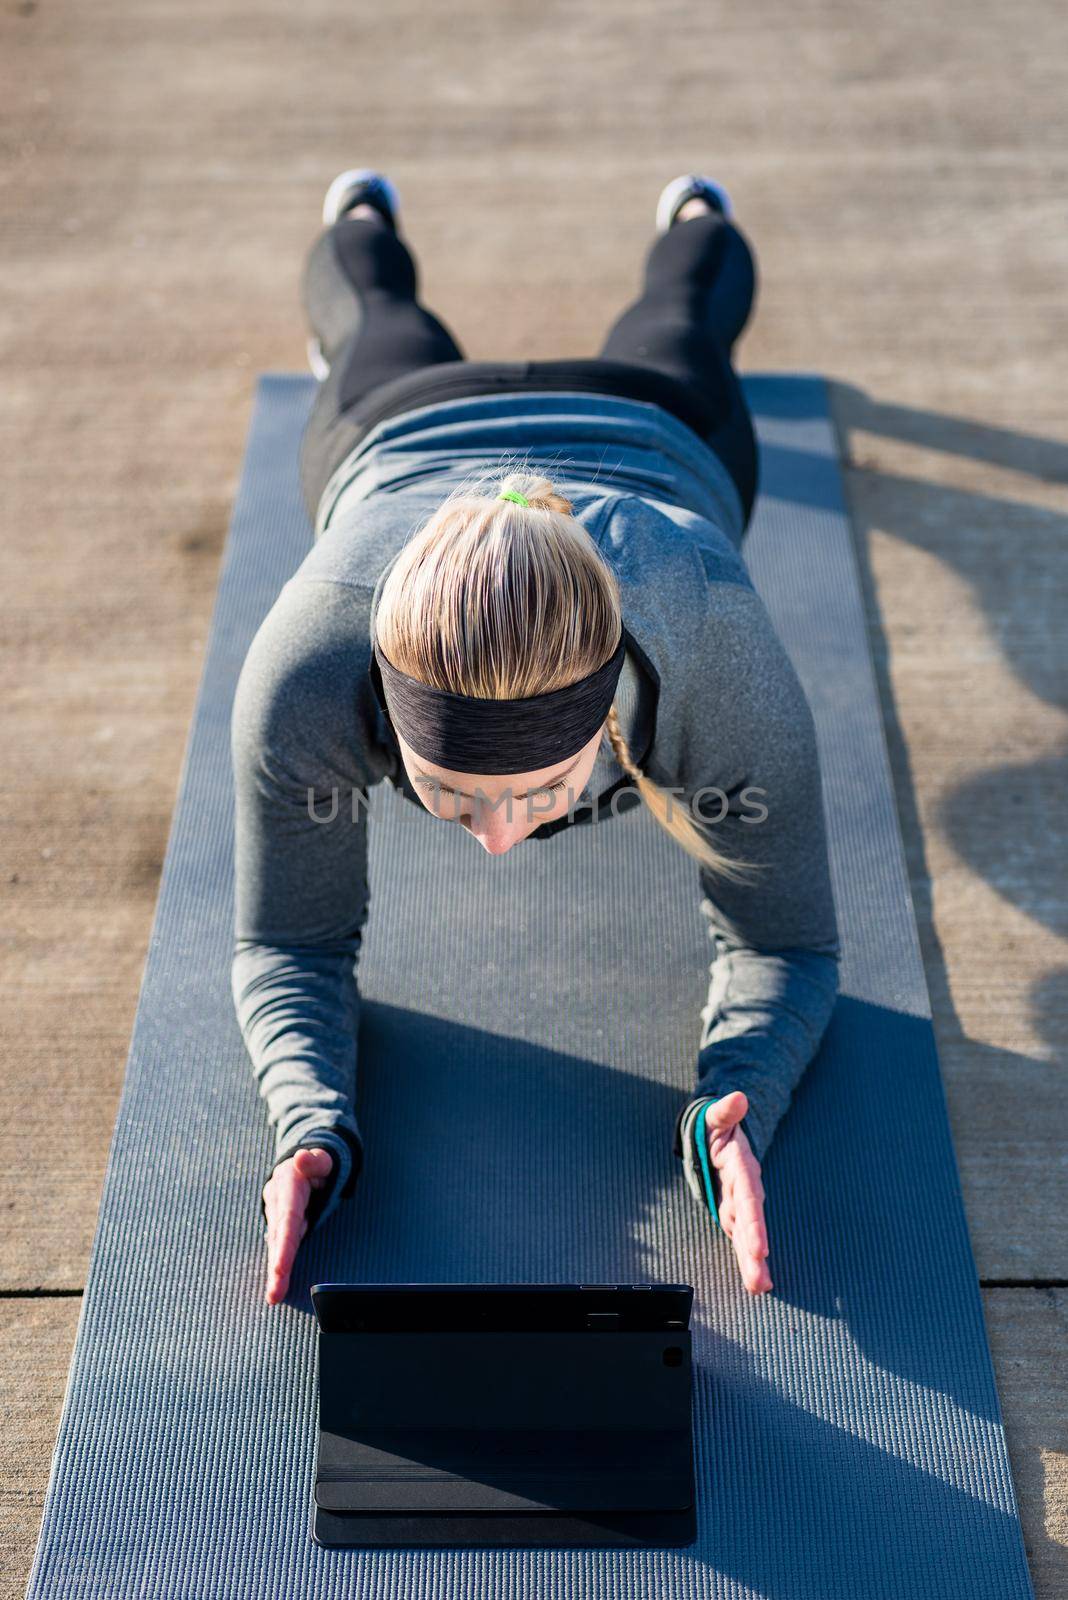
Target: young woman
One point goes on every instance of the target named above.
(526, 593)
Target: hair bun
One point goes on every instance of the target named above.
(537, 490)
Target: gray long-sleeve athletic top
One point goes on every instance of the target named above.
(704, 668)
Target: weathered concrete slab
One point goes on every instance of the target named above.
(1028, 1331)
(962, 531)
(901, 173)
(36, 1341)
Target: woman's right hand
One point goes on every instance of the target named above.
(285, 1199)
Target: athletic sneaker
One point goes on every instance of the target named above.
(357, 186)
(362, 186)
(691, 186)
(318, 363)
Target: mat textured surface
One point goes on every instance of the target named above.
(529, 1029)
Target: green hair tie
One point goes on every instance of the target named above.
(513, 494)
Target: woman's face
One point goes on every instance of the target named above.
(502, 809)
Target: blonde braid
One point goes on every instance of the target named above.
(671, 813)
(620, 748)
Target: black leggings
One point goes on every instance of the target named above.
(388, 353)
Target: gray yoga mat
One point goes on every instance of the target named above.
(528, 1033)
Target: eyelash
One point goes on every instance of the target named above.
(553, 788)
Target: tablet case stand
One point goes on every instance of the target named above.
(542, 1438)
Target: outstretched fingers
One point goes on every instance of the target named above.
(748, 1231)
(741, 1207)
(749, 1203)
(285, 1201)
(286, 1227)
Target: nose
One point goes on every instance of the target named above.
(495, 847)
(496, 834)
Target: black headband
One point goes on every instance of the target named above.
(466, 733)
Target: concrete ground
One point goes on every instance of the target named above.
(901, 171)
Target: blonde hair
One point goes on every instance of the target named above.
(499, 600)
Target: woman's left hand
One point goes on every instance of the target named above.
(741, 1202)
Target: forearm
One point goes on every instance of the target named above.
(765, 1016)
(750, 739)
(298, 1010)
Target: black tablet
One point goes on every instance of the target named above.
(503, 1307)
(497, 1414)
